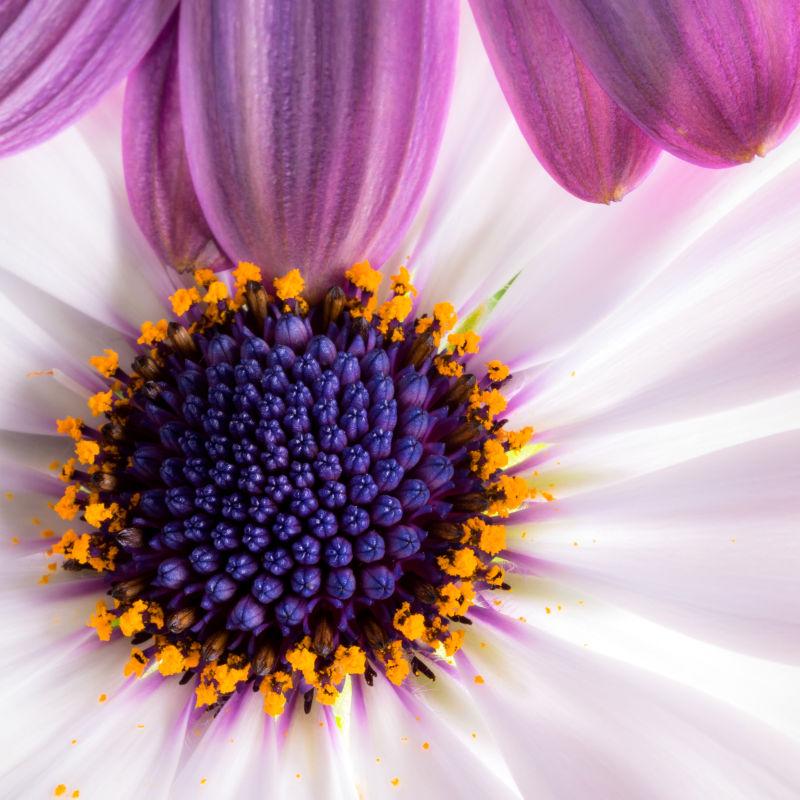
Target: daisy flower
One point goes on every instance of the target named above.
(512, 516)
(598, 89)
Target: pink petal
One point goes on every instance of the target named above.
(580, 135)
(715, 82)
(57, 58)
(157, 177)
(312, 128)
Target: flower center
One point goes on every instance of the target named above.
(285, 494)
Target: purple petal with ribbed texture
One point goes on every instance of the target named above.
(58, 57)
(312, 128)
(578, 133)
(157, 177)
(714, 81)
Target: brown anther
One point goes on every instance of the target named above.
(140, 638)
(105, 481)
(463, 434)
(146, 367)
(71, 565)
(421, 589)
(130, 537)
(151, 390)
(179, 621)
(127, 590)
(472, 503)
(459, 618)
(420, 668)
(332, 306)
(308, 701)
(180, 340)
(255, 295)
(448, 531)
(423, 347)
(265, 659)
(214, 646)
(373, 632)
(369, 675)
(322, 639)
(113, 432)
(460, 391)
(361, 327)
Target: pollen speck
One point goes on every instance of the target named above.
(395, 781)
(426, 745)
(59, 790)
(203, 781)
(479, 679)
(103, 697)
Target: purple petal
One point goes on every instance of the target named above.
(714, 82)
(157, 177)
(312, 128)
(581, 137)
(58, 57)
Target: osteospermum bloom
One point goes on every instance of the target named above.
(644, 466)
(598, 89)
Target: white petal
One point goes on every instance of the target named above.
(708, 546)
(68, 233)
(573, 724)
(390, 731)
(687, 240)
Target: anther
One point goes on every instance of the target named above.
(180, 340)
(369, 675)
(361, 328)
(130, 537)
(266, 657)
(420, 668)
(423, 348)
(460, 391)
(113, 431)
(421, 589)
(186, 677)
(332, 306)
(322, 640)
(127, 590)
(146, 367)
(472, 503)
(140, 638)
(214, 646)
(105, 481)
(179, 621)
(462, 434)
(373, 632)
(445, 530)
(459, 618)
(255, 296)
(308, 701)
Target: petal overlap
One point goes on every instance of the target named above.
(58, 57)
(159, 185)
(715, 83)
(312, 128)
(580, 135)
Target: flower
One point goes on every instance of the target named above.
(598, 90)
(652, 346)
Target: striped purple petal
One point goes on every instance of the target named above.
(157, 177)
(312, 128)
(58, 57)
(713, 81)
(581, 137)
